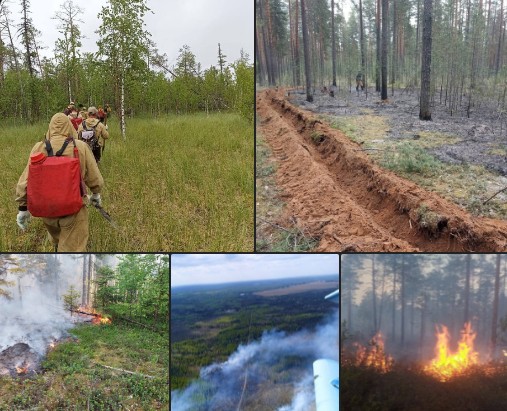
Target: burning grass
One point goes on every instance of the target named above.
(73, 377)
(374, 355)
(448, 364)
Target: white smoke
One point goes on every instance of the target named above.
(222, 386)
(35, 314)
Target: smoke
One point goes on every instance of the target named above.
(35, 314)
(256, 369)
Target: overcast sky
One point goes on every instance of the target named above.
(195, 269)
(201, 24)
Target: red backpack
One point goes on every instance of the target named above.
(55, 187)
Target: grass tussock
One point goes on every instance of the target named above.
(72, 378)
(178, 183)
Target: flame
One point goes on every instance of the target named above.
(374, 356)
(448, 364)
(101, 320)
(21, 370)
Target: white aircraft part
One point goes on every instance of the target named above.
(325, 378)
(333, 295)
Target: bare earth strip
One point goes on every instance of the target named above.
(299, 288)
(336, 192)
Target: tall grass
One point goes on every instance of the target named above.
(178, 183)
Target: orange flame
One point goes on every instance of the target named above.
(101, 320)
(374, 356)
(448, 364)
(21, 370)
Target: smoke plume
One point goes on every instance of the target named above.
(254, 370)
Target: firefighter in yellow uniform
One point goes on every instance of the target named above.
(92, 123)
(68, 233)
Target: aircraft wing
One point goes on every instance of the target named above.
(333, 295)
(325, 379)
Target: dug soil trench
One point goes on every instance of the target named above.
(340, 196)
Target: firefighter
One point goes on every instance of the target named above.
(69, 233)
(359, 81)
(92, 123)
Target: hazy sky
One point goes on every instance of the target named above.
(222, 268)
(201, 24)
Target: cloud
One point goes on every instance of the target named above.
(195, 269)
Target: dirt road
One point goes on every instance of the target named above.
(339, 195)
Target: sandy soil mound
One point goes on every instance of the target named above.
(334, 189)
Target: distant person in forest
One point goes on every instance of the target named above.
(74, 119)
(101, 114)
(69, 233)
(94, 133)
(359, 81)
(69, 108)
(82, 112)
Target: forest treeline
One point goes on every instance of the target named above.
(405, 296)
(384, 40)
(127, 71)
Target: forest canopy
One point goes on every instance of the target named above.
(126, 68)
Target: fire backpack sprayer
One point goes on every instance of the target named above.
(55, 187)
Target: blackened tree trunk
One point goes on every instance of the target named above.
(374, 294)
(379, 44)
(494, 321)
(385, 8)
(306, 48)
(467, 288)
(361, 41)
(425, 110)
(402, 301)
(333, 43)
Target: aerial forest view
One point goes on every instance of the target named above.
(84, 332)
(172, 129)
(250, 345)
(381, 125)
(424, 332)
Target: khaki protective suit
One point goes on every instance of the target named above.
(100, 130)
(68, 233)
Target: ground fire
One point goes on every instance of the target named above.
(448, 364)
(374, 356)
(97, 318)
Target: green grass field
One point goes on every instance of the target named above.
(178, 183)
(74, 378)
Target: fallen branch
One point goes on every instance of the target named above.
(274, 225)
(125, 371)
(494, 195)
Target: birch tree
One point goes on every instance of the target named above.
(124, 44)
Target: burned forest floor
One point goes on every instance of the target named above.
(406, 389)
(75, 373)
(350, 173)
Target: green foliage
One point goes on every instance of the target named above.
(137, 288)
(409, 158)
